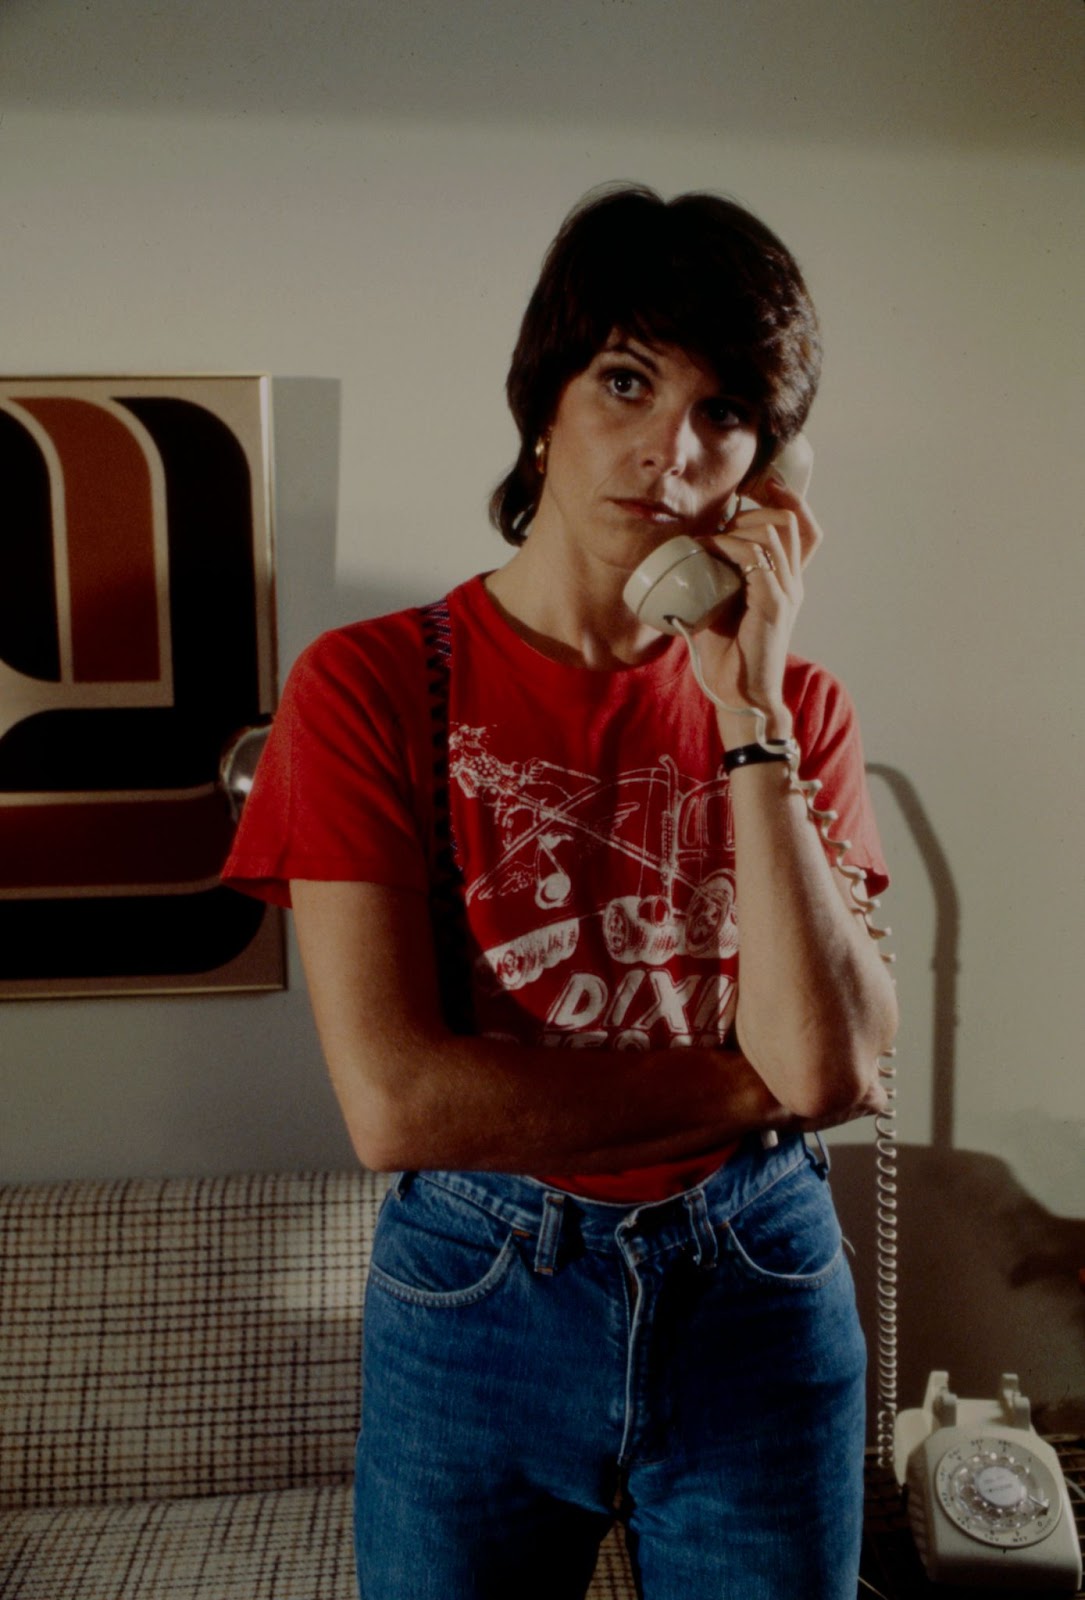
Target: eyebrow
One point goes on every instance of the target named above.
(624, 349)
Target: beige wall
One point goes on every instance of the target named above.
(356, 200)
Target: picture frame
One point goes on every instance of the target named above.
(137, 645)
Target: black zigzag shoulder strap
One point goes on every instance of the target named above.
(447, 911)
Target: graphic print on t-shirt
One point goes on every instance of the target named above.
(607, 909)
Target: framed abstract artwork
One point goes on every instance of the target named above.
(137, 647)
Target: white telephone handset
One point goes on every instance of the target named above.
(987, 1501)
(684, 581)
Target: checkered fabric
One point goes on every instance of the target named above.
(278, 1546)
(273, 1546)
(179, 1388)
(239, 1547)
(180, 1337)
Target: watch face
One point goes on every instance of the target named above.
(997, 1491)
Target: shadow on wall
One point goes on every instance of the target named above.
(310, 599)
(989, 1279)
(945, 960)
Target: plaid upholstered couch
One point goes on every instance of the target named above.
(179, 1383)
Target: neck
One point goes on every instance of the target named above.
(572, 611)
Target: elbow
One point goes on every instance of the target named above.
(376, 1154)
(375, 1123)
(381, 1140)
(396, 1130)
(832, 1078)
(388, 1100)
(831, 1100)
(842, 1084)
(824, 1066)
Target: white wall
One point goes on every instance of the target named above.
(359, 197)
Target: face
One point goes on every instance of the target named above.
(646, 443)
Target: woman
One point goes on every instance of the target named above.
(607, 1281)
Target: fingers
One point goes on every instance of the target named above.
(765, 546)
(779, 506)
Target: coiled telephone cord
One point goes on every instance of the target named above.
(885, 1123)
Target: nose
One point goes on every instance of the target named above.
(669, 443)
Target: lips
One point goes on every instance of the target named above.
(651, 511)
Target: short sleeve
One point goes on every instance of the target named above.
(337, 793)
(827, 729)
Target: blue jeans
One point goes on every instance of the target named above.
(537, 1365)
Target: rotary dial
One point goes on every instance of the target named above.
(997, 1491)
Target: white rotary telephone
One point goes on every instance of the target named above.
(987, 1501)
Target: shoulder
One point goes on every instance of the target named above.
(376, 667)
(386, 650)
(817, 698)
(809, 680)
(375, 647)
(827, 729)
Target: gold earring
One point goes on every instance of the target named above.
(542, 445)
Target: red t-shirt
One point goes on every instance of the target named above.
(591, 816)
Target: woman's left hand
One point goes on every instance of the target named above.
(745, 653)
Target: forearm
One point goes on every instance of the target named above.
(816, 1005)
(445, 1100)
(413, 1094)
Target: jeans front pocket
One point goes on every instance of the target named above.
(433, 1248)
(789, 1235)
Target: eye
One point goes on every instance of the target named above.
(625, 383)
(727, 414)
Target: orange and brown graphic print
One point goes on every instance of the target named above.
(135, 641)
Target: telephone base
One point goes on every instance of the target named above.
(986, 1499)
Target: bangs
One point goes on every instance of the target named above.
(651, 277)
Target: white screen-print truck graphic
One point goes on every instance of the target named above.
(669, 835)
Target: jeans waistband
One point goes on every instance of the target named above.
(550, 1215)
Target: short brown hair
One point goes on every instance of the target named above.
(698, 271)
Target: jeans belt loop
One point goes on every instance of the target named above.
(704, 1234)
(546, 1250)
(822, 1165)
